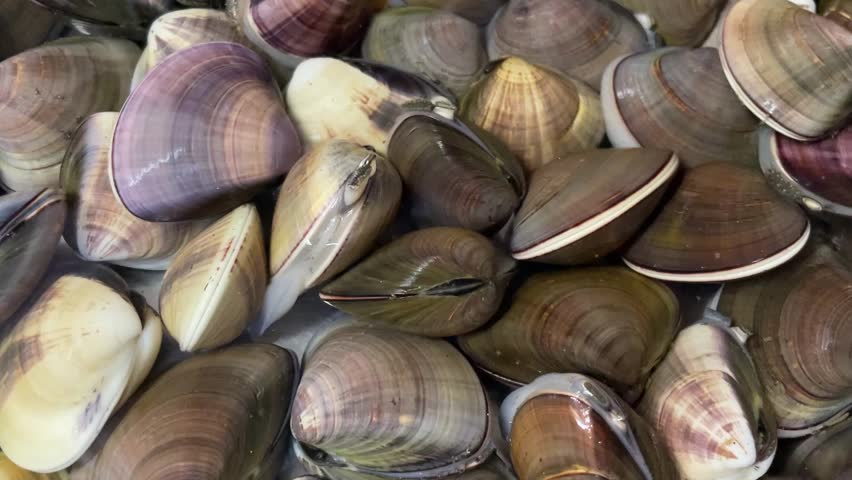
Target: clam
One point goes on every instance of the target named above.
(706, 403)
(182, 29)
(24, 25)
(796, 315)
(202, 133)
(586, 205)
(678, 99)
(816, 174)
(679, 22)
(119, 12)
(714, 40)
(539, 114)
(214, 415)
(356, 100)
(99, 228)
(575, 37)
(78, 349)
(333, 205)
(477, 11)
(824, 456)
(607, 322)
(30, 227)
(456, 175)
(722, 223)
(438, 45)
(391, 404)
(569, 425)
(838, 10)
(790, 67)
(215, 285)
(437, 282)
(46, 92)
(10, 471)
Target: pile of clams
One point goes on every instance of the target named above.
(425, 239)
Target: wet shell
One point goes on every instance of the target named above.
(609, 323)
(678, 99)
(790, 67)
(429, 415)
(838, 10)
(722, 223)
(438, 45)
(824, 456)
(46, 92)
(510, 101)
(585, 205)
(215, 285)
(455, 175)
(120, 12)
(816, 174)
(214, 415)
(30, 227)
(356, 100)
(569, 425)
(176, 155)
(24, 25)
(706, 403)
(99, 228)
(477, 11)
(679, 22)
(575, 37)
(795, 314)
(436, 282)
(10, 471)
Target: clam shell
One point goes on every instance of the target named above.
(120, 12)
(569, 425)
(355, 100)
(678, 99)
(438, 45)
(574, 37)
(679, 22)
(455, 175)
(99, 228)
(30, 227)
(477, 11)
(608, 322)
(25, 25)
(66, 366)
(509, 103)
(419, 408)
(176, 155)
(215, 285)
(47, 91)
(795, 314)
(823, 456)
(816, 174)
(214, 415)
(585, 205)
(838, 10)
(706, 403)
(790, 67)
(10, 471)
(437, 282)
(722, 223)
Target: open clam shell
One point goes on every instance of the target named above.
(455, 175)
(609, 323)
(551, 33)
(436, 282)
(816, 174)
(585, 205)
(708, 407)
(722, 223)
(838, 10)
(203, 133)
(67, 365)
(25, 25)
(214, 415)
(823, 456)
(215, 285)
(420, 410)
(679, 22)
(119, 12)
(795, 315)
(477, 11)
(47, 91)
(538, 113)
(790, 67)
(99, 227)
(436, 44)
(333, 205)
(680, 100)
(566, 425)
(356, 100)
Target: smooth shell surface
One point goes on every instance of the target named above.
(679, 22)
(823, 456)
(10, 471)
(585, 205)
(24, 25)
(838, 10)
(203, 133)
(477, 11)
(539, 114)
(722, 223)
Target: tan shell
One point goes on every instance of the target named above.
(679, 22)
(10, 471)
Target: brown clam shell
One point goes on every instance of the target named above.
(477, 11)
(24, 25)
(823, 456)
(679, 22)
(838, 10)
(179, 155)
(722, 223)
